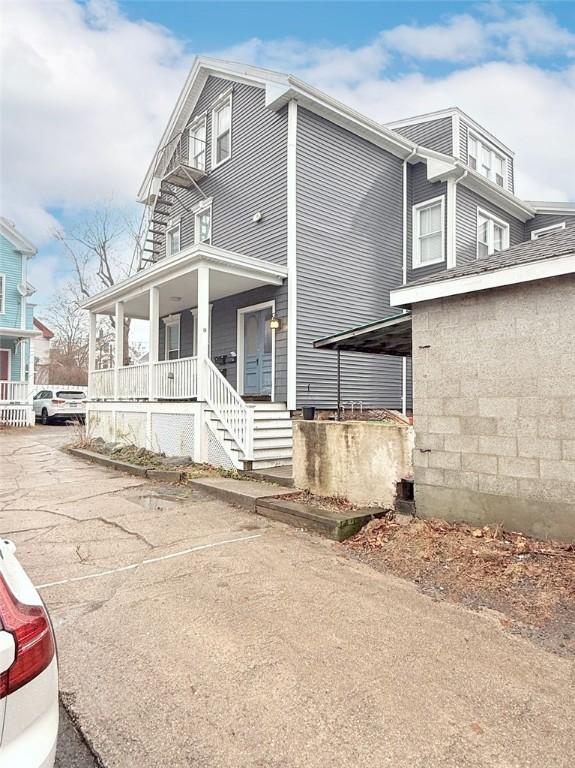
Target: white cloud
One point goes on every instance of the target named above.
(85, 96)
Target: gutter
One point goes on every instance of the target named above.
(404, 272)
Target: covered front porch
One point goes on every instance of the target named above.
(217, 337)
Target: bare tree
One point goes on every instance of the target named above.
(100, 252)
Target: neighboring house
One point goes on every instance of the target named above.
(278, 215)
(42, 352)
(17, 332)
(494, 388)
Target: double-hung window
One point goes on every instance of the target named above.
(172, 238)
(489, 163)
(492, 234)
(428, 232)
(197, 144)
(222, 130)
(172, 337)
(203, 224)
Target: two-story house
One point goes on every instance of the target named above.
(276, 215)
(16, 326)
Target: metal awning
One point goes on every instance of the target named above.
(390, 336)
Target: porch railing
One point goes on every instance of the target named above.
(133, 382)
(231, 410)
(175, 379)
(14, 391)
(101, 384)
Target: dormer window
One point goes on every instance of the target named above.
(197, 144)
(485, 160)
(222, 130)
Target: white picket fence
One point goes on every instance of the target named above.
(16, 415)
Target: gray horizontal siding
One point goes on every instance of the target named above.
(435, 134)
(546, 220)
(418, 191)
(224, 332)
(466, 225)
(253, 179)
(349, 238)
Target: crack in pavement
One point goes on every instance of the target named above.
(120, 527)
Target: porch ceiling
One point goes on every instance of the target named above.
(176, 278)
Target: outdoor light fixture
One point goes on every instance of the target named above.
(275, 323)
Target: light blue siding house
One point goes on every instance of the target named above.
(277, 216)
(17, 330)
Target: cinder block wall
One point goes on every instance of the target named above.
(494, 407)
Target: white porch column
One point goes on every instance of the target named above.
(119, 354)
(203, 319)
(23, 352)
(31, 372)
(154, 338)
(92, 321)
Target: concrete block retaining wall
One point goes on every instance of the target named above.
(359, 460)
(494, 407)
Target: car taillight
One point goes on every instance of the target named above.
(58, 402)
(30, 627)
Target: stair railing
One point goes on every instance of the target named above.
(235, 416)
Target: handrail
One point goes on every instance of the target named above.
(236, 417)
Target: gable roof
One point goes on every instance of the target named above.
(46, 332)
(21, 243)
(547, 256)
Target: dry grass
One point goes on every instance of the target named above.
(532, 581)
(330, 503)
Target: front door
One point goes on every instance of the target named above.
(4, 373)
(258, 352)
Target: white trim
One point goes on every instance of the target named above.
(194, 313)
(492, 219)
(172, 225)
(539, 206)
(3, 293)
(416, 262)
(240, 345)
(451, 250)
(187, 260)
(20, 243)
(225, 99)
(456, 135)
(428, 117)
(7, 349)
(292, 256)
(199, 120)
(170, 321)
(519, 273)
(481, 142)
(19, 333)
(200, 210)
(537, 232)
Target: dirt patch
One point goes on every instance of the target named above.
(330, 503)
(532, 582)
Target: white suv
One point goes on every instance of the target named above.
(60, 404)
(28, 671)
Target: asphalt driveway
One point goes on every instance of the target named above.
(192, 633)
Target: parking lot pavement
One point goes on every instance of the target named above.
(72, 751)
(194, 633)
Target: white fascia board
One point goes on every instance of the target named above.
(20, 333)
(451, 112)
(495, 194)
(184, 261)
(540, 206)
(21, 243)
(519, 273)
(201, 69)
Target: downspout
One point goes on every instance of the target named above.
(404, 273)
(452, 219)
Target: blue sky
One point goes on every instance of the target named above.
(96, 81)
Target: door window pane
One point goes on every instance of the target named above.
(172, 341)
(267, 332)
(251, 334)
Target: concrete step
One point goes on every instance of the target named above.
(244, 493)
(267, 463)
(334, 525)
(282, 475)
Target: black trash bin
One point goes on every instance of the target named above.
(308, 412)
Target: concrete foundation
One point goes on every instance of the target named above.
(360, 460)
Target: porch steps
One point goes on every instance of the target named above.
(272, 437)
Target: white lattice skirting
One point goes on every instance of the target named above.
(17, 415)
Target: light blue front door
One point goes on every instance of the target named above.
(258, 352)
